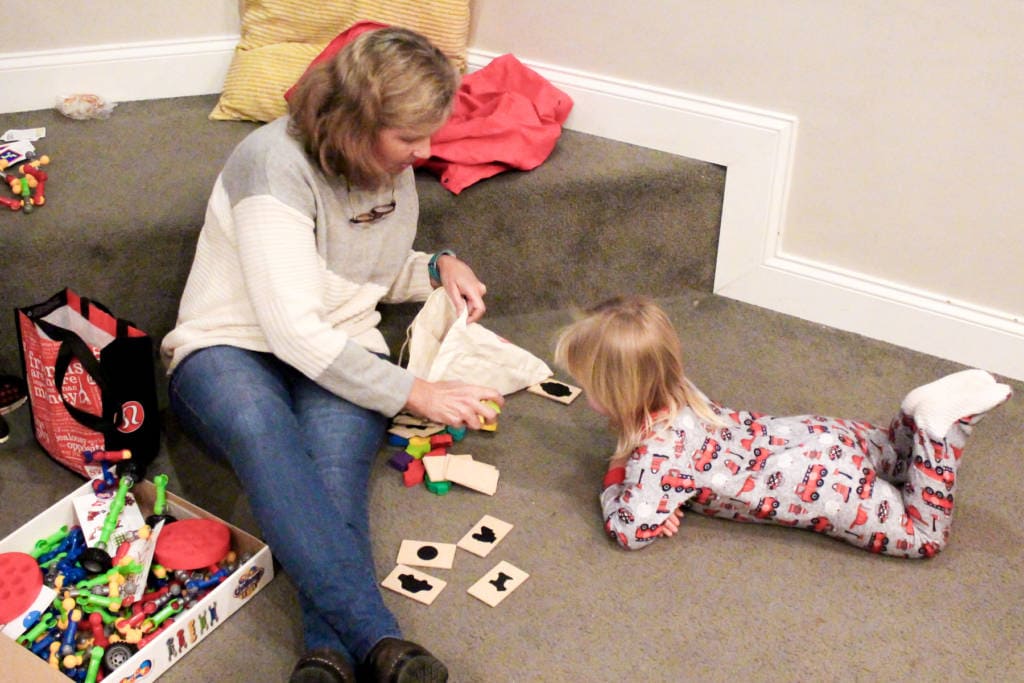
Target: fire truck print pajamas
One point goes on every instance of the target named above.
(887, 490)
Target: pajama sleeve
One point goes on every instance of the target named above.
(639, 497)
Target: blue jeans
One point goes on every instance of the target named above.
(303, 456)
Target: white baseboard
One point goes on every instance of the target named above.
(756, 147)
(911, 318)
(118, 73)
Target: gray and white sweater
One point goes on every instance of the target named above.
(280, 269)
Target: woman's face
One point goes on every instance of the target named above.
(399, 148)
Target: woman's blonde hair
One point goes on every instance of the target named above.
(627, 356)
(386, 78)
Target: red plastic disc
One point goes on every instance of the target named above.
(20, 581)
(192, 544)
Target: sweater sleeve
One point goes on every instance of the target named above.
(285, 279)
(412, 282)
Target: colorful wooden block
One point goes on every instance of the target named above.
(418, 446)
(413, 476)
(400, 461)
(458, 433)
(442, 440)
(438, 488)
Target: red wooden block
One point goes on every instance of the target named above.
(414, 475)
(442, 440)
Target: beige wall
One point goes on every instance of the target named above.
(910, 150)
(54, 24)
(909, 161)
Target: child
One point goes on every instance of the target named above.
(886, 490)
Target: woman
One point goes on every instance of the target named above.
(276, 361)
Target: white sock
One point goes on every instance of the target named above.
(938, 405)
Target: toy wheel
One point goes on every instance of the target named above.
(95, 560)
(116, 654)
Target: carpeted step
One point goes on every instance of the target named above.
(126, 199)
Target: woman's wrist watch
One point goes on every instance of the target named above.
(432, 270)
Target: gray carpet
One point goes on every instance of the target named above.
(721, 601)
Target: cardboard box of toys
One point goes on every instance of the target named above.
(173, 630)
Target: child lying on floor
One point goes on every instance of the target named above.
(886, 490)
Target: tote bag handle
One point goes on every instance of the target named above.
(74, 347)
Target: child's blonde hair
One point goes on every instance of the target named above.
(627, 356)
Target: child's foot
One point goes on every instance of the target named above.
(938, 405)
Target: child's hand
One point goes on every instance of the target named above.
(671, 524)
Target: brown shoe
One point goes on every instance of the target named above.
(400, 661)
(323, 666)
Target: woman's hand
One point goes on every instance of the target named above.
(671, 524)
(453, 403)
(462, 285)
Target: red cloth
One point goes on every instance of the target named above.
(506, 116)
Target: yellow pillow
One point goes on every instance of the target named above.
(281, 37)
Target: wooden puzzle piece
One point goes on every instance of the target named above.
(421, 423)
(437, 465)
(426, 554)
(409, 431)
(555, 390)
(473, 474)
(496, 585)
(412, 583)
(482, 538)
